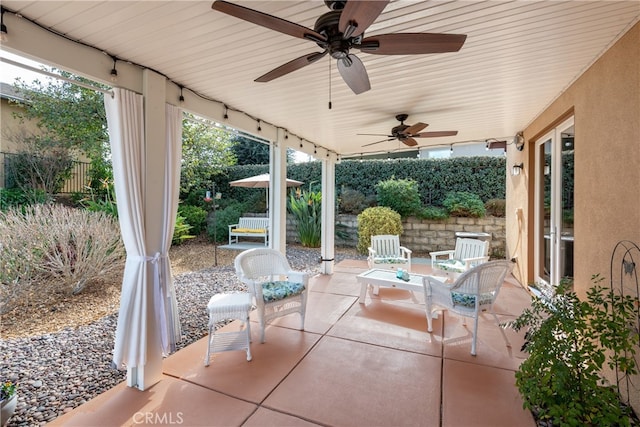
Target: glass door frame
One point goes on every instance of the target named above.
(554, 136)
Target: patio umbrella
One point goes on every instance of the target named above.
(262, 181)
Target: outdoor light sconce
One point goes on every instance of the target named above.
(518, 141)
(516, 169)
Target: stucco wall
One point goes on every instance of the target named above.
(605, 101)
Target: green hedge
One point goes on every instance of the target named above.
(483, 176)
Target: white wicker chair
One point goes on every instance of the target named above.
(386, 253)
(278, 290)
(474, 291)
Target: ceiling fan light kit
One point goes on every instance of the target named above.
(340, 30)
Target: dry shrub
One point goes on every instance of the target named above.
(53, 248)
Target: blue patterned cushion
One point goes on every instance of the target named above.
(469, 301)
(275, 291)
(451, 265)
(390, 260)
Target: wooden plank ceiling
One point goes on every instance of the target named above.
(518, 56)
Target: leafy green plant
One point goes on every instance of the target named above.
(374, 221)
(181, 231)
(432, 212)
(104, 201)
(14, 197)
(401, 195)
(496, 207)
(569, 341)
(463, 203)
(195, 216)
(306, 207)
(7, 389)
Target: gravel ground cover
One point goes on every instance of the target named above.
(67, 365)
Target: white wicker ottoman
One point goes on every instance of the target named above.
(229, 306)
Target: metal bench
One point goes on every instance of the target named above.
(249, 227)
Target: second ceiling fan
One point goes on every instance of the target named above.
(407, 134)
(341, 29)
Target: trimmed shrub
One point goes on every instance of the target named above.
(53, 248)
(462, 203)
(352, 202)
(496, 207)
(432, 212)
(401, 195)
(195, 216)
(374, 221)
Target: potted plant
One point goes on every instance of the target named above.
(570, 343)
(8, 400)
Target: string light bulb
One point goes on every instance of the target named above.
(3, 28)
(259, 127)
(181, 99)
(451, 148)
(114, 72)
(226, 109)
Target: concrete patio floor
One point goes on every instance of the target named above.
(371, 364)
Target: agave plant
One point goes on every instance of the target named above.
(306, 207)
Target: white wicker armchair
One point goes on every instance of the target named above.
(473, 292)
(277, 289)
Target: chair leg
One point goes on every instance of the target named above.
(209, 338)
(475, 336)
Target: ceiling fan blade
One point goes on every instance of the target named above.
(290, 66)
(267, 21)
(409, 141)
(412, 43)
(375, 134)
(412, 130)
(359, 14)
(436, 134)
(378, 142)
(354, 74)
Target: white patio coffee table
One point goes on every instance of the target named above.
(387, 278)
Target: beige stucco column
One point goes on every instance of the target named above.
(278, 194)
(328, 215)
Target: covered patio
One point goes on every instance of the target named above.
(526, 68)
(355, 364)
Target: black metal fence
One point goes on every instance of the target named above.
(77, 183)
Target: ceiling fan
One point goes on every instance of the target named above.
(406, 134)
(341, 29)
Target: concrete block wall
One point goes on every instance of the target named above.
(423, 236)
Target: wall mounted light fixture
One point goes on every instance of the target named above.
(516, 169)
(518, 141)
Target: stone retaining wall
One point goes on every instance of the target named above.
(423, 236)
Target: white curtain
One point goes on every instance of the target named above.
(126, 133)
(166, 304)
